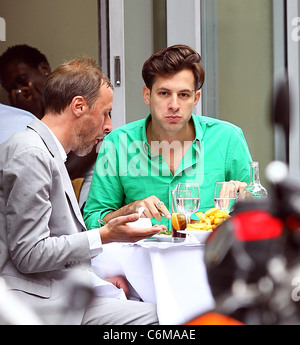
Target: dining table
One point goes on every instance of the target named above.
(170, 274)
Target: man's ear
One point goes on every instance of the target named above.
(146, 95)
(79, 106)
(197, 97)
(44, 68)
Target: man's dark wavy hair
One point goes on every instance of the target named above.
(172, 60)
(22, 52)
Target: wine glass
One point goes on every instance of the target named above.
(188, 199)
(225, 196)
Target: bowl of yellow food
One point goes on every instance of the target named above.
(208, 221)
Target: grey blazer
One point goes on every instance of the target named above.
(42, 233)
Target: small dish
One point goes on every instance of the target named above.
(200, 235)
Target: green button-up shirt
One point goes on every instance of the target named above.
(126, 170)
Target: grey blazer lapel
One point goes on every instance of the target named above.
(43, 131)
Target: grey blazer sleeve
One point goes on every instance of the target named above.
(43, 232)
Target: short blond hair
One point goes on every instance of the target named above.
(79, 77)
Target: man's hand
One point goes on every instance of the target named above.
(240, 186)
(120, 282)
(28, 98)
(154, 208)
(117, 230)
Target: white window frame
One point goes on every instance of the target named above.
(279, 69)
(184, 27)
(111, 50)
(293, 70)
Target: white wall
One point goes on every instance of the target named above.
(246, 72)
(60, 29)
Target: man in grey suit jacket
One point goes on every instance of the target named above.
(43, 238)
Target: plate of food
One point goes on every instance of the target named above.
(208, 220)
(160, 238)
(202, 227)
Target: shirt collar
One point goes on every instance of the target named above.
(144, 135)
(60, 147)
(198, 128)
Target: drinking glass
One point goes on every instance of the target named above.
(178, 219)
(188, 199)
(225, 196)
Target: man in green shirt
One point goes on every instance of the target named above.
(139, 164)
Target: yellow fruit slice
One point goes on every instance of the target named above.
(175, 222)
(178, 221)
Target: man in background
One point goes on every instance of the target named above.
(23, 71)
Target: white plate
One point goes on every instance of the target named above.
(154, 243)
(200, 235)
(159, 238)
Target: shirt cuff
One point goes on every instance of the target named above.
(94, 242)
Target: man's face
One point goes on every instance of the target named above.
(18, 74)
(171, 101)
(95, 124)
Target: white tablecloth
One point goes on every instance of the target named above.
(173, 276)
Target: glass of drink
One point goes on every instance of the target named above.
(225, 196)
(188, 199)
(178, 220)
